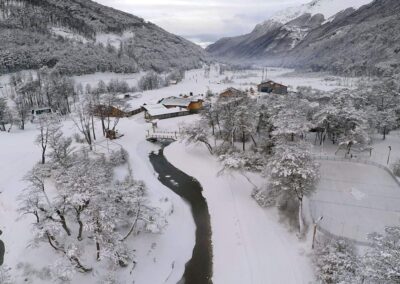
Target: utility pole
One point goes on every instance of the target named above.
(390, 150)
(315, 230)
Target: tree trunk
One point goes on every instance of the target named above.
(63, 222)
(103, 126)
(254, 141)
(301, 221)
(98, 251)
(244, 141)
(43, 155)
(78, 218)
(94, 134)
(384, 133)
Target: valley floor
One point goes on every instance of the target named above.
(250, 245)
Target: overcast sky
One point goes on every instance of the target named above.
(203, 21)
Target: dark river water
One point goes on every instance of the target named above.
(199, 269)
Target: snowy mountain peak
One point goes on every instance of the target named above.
(328, 8)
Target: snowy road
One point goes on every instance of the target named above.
(249, 245)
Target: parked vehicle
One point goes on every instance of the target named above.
(36, 113)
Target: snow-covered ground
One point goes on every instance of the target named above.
(249, 244)
(154, 252)
(355, 199)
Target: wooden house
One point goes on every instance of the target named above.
(272, 87)
(159, 111)
(191, 103)
(232, 93)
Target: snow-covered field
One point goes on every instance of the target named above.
(355, 199)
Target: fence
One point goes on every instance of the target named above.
(354, 234)
(340, 229)
(358, 160)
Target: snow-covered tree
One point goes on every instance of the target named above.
(22, 109)
(151, 81)
(380, 264)
(335, 261)
(60, 147)
(80, 209)
(292, 174)
(245, 122)
(197, 133)
(83, 121)
(4, 114)
(338, 119)
(47, 125)
(386, 121)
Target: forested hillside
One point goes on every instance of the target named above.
(80, 36)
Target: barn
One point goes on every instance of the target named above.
(232, 93)
(272, 87)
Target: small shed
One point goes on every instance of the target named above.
(272, 87)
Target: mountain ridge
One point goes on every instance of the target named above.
(302, 42)
(77, 24)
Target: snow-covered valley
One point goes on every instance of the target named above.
(250, 244)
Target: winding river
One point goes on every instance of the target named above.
(199, 269)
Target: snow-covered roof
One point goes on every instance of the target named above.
(159, 109)
(181, 102)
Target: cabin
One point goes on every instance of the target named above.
(232, 93)
(159, 111)
(191, 103)
(232, 97)
(272, 87)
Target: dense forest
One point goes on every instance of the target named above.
(29, 39)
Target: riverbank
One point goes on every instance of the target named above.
(249, 243)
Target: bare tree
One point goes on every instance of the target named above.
(83, 121)
(47, 124)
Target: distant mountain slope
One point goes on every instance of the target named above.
(327, 8)
(283, 37)
(365, 41)
(81, 36)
